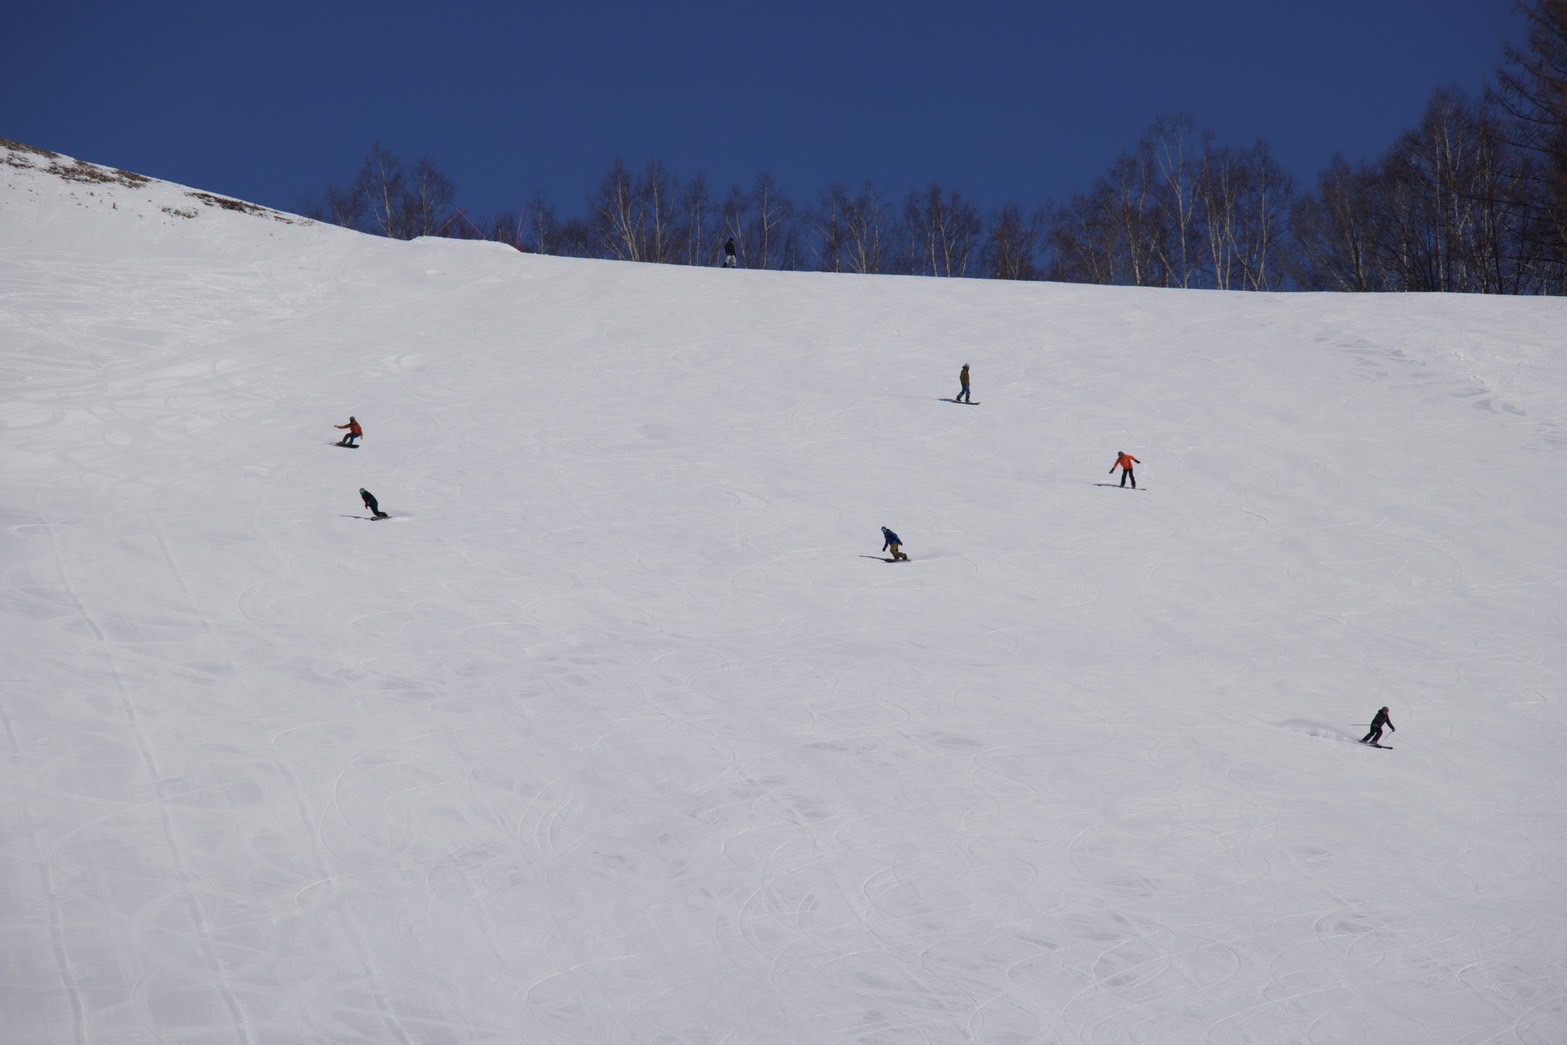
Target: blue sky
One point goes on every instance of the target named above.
(1003, 101)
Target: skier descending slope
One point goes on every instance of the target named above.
(1375, 736)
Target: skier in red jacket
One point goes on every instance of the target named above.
(1124, 461)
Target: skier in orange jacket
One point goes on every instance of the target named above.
(354, 432)
(1124, 461)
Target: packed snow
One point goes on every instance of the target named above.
(622, 729)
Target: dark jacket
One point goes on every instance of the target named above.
(892, 538)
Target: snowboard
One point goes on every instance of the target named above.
(963, 402)
(1116, 486)
(345, 446)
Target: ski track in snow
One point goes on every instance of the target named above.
(619, 737)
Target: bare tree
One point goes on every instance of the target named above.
(827, 225)
(1174, 152)
(340, 206)
(869, 228)
(695, 223)
(1336, 230)
(1136, 228)
(770, 233)
(659, 191)
(1084, 236)
(1243, 200)
(1012, 243)
(427, 200)
(387, 200)
(1531, 88)
(380, 187)
(617, 216)
(1448, 225)
(943, 230)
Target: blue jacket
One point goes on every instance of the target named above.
(892, 538)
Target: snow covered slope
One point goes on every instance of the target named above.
(620, 729)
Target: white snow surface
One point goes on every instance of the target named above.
(621, 730)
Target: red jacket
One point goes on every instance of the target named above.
(1124, 461)
(353, 428)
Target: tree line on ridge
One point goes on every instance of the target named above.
(1473, 199)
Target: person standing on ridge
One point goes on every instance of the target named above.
(893, 542)
(963, 393)
(371, 503)
(1375, 736)
(729, 254)
(1124, 461)
(354, 432)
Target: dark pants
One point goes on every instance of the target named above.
(1126, 473)
(1372, 737)
(962, 396)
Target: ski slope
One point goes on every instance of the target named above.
(620, 730)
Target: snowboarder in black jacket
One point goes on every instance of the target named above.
(371, 503)
(1377, 723)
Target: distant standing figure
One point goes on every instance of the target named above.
(963, 396)
(894, 543)
(729, 254)
(354, 432)
(1124, 461)
(1377, 723)
(371, 503)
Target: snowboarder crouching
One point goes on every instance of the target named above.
(963, 393)
(1124, 461)
(354, 432)
(893, 542)
(1377, 723)
(371, 503)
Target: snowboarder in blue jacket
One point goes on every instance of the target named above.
(892, 542)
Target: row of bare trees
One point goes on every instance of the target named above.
(388, 199)
(1472, 199)
(1178, 210)
(652, 215)
(1447, 208)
